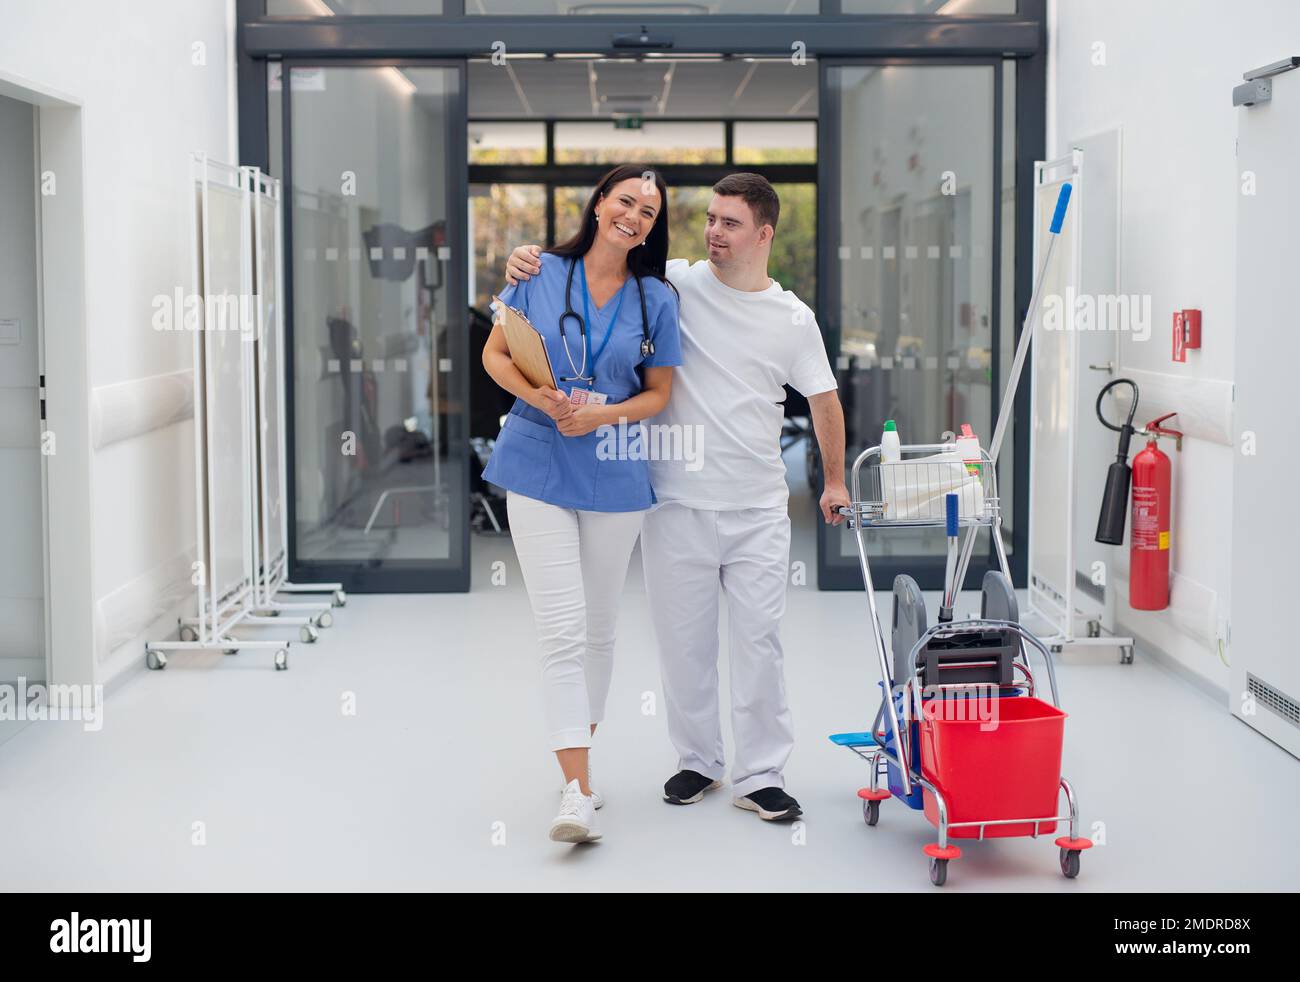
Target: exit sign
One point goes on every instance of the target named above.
(627, 123)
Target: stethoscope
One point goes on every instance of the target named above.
(580, 374)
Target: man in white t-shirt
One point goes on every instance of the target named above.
(721, 526)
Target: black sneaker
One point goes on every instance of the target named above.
(688, 787)
(772, 805)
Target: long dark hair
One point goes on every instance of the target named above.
(650, 258)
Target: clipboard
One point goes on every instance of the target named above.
(527, 347)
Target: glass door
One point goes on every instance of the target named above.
(373, 159)
(910, 286)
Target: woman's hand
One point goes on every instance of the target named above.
(582, 420)
(524, 263)
(552, 402)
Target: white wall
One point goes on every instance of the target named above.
(1166, 82)
(146, 105)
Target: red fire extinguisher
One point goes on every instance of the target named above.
(1152, 505)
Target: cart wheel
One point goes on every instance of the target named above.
(1126, 655)
(231, 651)
(871, 812)
(938, 872)
(188, 633)
(326, 619)
(308, 634)
(281, 660)
(273, 612)
(1070, 863)
(340, 598)
(155, 660)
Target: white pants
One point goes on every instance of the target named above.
(574, 565)
(691, 555)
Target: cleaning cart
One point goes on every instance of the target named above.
(962, 733)
(980, 752)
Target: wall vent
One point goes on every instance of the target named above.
(1274, 699)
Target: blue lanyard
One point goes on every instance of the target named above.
(586, 312)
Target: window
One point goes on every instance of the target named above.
(775, 142)
(507, 143)
(658, 142)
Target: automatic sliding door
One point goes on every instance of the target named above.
(909, 294)
(374, 163)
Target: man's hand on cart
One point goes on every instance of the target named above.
(524, 263)
(834, 497)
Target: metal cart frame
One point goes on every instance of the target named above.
(877, 511)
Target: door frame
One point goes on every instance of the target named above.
(829, 34)
(394, 576)
(61, 320)
(827, 37)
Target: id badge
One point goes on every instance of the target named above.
(586, 397)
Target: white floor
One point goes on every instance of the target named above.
(440, 781)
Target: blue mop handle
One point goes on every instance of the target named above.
(1062, 203)
(1022, 348)
(950, 582)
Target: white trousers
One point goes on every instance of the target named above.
(574, 565)
(691, 557)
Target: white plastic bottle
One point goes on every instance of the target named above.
(890, 450)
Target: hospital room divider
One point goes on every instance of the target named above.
(1069, 585)
(236, 316)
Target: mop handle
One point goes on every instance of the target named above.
(1022, 351)
(1026, 334)
(1062, 202)
(953, 527)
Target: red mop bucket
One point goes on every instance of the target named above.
(1006, 765)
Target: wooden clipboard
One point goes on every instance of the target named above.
(527, 347)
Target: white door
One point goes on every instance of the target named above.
(1265, 688)
(22, 536)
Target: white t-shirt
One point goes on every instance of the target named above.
(739, 348)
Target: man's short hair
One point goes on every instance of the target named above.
(758, 194)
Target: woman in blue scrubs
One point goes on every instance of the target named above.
(572, 458)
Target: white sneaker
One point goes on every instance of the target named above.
(596, 799)
(576, 821)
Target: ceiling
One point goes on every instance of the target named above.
(596, 88)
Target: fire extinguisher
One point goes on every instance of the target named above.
(1114, 499)
(1152, 507)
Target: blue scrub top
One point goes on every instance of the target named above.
(532, 457)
